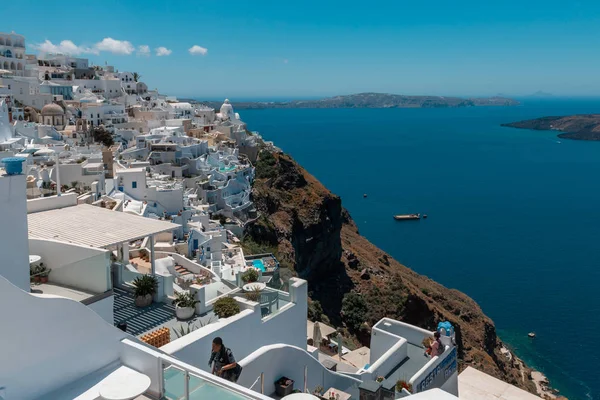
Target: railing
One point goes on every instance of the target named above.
(178, 382)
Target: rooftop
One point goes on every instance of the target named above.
(93, 226)
(476, 385)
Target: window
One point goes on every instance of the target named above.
(8, 87)
(21, 90)
(98, 115)
(134, 185)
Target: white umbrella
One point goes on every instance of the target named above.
(317, 335)
(5, 72)
(44, 152)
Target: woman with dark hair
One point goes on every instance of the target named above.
(223, 362)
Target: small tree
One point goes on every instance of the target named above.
(101, 135)
(354, 309)
(250, 276)
(136, 76)
(226, 307)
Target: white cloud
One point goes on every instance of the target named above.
(162, 51)
(115, 46)
(198, 50)
(143, 50)
(64, 47)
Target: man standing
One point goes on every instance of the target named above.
(224, 365)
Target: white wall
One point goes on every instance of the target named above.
(388, 361)
(445, 363)
(105, 308)
(14, 247)
(247, 331)
(50, 341)
(413, 334)
(73, 265)
(280, 360)
(126, 178)
(381, 342)
(51, 202)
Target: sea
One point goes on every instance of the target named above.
(513, 215)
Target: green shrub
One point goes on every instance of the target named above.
(253, 295)
(266, 165)
(315, 311)
(226, 307)
(354, 309)
(145, 284)
(185, 300)
(250, 276)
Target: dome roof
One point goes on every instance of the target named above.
(52, 109)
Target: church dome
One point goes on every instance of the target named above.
(52, 109)
(227, 110)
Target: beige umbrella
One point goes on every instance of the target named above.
(5, 72)
(317, 335)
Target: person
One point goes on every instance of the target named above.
(437, 348)
(223, 362)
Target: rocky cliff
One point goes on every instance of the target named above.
(576, 127)
(315, 237)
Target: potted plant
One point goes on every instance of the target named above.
(380, 379)
(185, 305)
(318, 390)
(34, 274)
(253, 295)
(284, 386)
(145, 287)
(250, 276)
(402, 384)
(44, 273)
(226, 307)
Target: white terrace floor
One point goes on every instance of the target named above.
(475, 385)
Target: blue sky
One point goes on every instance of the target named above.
(263, 49)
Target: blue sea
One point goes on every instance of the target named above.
(514, 215)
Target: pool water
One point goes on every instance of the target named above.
(259, 264)
(227, 169)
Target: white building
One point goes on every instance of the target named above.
(12, 53)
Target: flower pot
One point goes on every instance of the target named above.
(283, 390)
(43, 279)
(143, 301)
(184, 312)
(36, 279)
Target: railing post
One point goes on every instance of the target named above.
(305, 379)
(186, 377)
(262, 383)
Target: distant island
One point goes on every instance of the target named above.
(376, 100)
(576, 127)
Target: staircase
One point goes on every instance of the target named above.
(183, 272)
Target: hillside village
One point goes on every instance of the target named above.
(124, 212)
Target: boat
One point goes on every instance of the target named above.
(405, 217)
(531, 334)
(424, 216)
(365, 195)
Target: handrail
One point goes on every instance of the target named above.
(166, 361)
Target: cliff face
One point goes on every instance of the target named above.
(315, 236)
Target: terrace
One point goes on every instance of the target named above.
(267, 262)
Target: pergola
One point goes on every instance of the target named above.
(98, 227)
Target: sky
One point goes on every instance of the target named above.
(292, 49)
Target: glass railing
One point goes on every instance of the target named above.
(180, 384)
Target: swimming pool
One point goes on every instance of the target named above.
(227, 169)
(259, 264)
